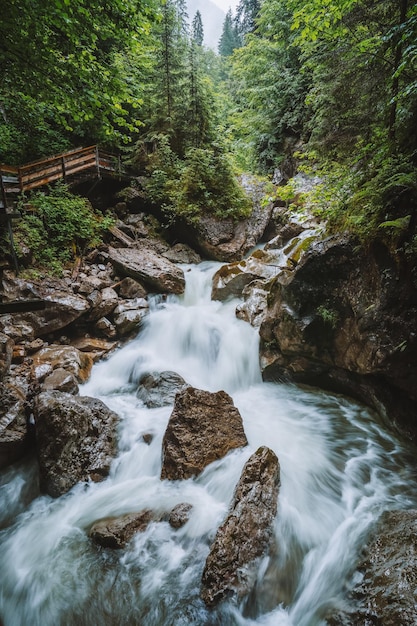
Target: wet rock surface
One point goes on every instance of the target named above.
(116, 532)
(14, 435)
(203, 428)
(344, 319)
(157, 272)
(75, 439)
(387, 592)
(245, 535)
(159, 388)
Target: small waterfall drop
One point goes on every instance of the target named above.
(339, 469)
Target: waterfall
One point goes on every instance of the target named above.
(340, 468)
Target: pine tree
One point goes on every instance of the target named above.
(229, 39)
(197, 29)
(246, 13)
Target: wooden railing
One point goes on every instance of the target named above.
(61, 166)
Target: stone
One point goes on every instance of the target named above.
(180, 515)
(106, 304)
(386, 592)
(245, 535)
(230, 280)
(129, 321)
(66, 357)
(255, 303)
(131, 288)
(14, 436)
(116, 532)
(158, 389)
(344, 319)
(156, 272)
(203, 428)
(61, 380)
(75, 439)
(106, 328)
(6, 353)
(181, 253)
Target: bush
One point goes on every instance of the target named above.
(204, 182)
(61, 227)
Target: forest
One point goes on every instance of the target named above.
(325, 87)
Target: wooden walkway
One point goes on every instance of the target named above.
(66, 166)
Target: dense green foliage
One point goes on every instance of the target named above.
(71, 72)
(59, 227)
(335, 81)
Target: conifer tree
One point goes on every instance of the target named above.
(229, 39)
(197, 29)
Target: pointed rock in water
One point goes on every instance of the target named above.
(158, 389)
(145, 265)
(203, 428)
(245, 536)
(180, 514)
(75, 439)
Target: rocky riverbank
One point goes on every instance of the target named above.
(330, 312)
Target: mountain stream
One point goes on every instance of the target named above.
(340, 467)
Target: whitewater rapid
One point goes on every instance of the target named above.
(340, 468)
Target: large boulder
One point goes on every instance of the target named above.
(62, 307)
(158, 389)
(344, 319)
(75, 438)
(203, 428)
(145, 265)
(225, 239)
(245, 536)
(386, 592)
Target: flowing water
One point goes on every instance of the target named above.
(339, 469)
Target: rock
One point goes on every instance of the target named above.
(96, 348)
(6, 352)
(344, 319)
(155, 271)
(181, 253)
(92, 283)
(230, 280)
(130, 288)
(254, 307)
(61, 306)
(66, 357)
(180, 515)
(106, 328)
(19, 353)
(224, 239)
(116, 532)
(203, 428)
(386, 593)
(106, 304)
(245, 536)
(75, 439)
(35, 345)
(14, 437)
(158, 389)
(61, 380)
(129, 321)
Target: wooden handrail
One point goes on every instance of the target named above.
(59, 166)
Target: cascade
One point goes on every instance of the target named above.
(340, 468)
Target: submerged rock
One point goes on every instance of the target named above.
(75, 438)
(245, 536)
(203, 428)
(160, 388)
(180, 515)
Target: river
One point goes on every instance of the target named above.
(340, 467)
